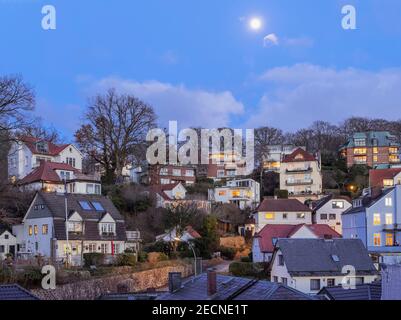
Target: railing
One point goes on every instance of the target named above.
(133, 235)
(299, 182)
(392, 227)
(299, 170)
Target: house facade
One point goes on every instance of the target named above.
(8, 243)
(264, 241)
(372, 148)
(166, 174)
(93, 225)
(375, 219)
(329, 210)
(281, 211)
(275, 154)
(301, 176)
(384, 178)
(27, 153)
(323, 263)
(61, 177)
(243, 193)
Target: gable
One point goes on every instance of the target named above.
(6, 232)
(303, 233)
(107, 218)
(75, 216)
(37, 209)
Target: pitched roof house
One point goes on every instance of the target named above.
(361, 292)
(384, 178)
(94, 225)
(309, 265)
(15, 292)
(264, 240)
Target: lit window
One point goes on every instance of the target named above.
(389, 218)
(393, 150)
(30, 230)
(300, 215)
(359, 151)
(389, 202)
(389, 239)
(338, 204)
(35, 229)
(388, 182)
(375, 150)
(375, 159)
(222, 193)
(377, 240)
(236, 193)
(394, 158)
(360, 159)
(45, 229)
(376, 219)
(269, 216)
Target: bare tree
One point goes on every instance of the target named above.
(114, 131)
(38, 130)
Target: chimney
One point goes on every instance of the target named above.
(211, 282)
(174, 281)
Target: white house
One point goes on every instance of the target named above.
(8, 243)
(167, 194)
(282, 211)
(50, 177)
(93, 225)
(329, 210)
(188, 234)
(27, 153)
(264, 241)
(243, 193)
(308, 265)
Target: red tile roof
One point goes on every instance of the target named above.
(282, 205)
(47, 172)
(271, 231)
(54, 149)
(299, 155)
(377, 176)
(192, 232)
(161, 188)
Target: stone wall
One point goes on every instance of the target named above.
(93, 288)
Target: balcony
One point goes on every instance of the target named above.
(299, 170)
(303, 182)
(392, 227)
(133, 235)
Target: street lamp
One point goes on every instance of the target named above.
(191, 246)
(66, 222)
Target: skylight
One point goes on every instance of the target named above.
(98, 206)
(85, 205)
(335, 258)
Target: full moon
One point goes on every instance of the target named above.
(255, 23)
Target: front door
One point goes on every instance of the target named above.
(11, 249)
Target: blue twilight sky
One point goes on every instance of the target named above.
(198, 62)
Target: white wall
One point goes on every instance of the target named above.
(328, 209)
(43, 240)
(70, 152)
(261, 220)
(6, 243)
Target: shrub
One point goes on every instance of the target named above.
(228, 253)
(30, 276)
(142, 256)
(246, 259)
(163, 257)
(93, 259)
(126, 259)
(248, 269)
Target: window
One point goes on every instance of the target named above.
(284, 281)
(103, 247)
(315, 284)
(360, 142)
(35, 229)
(177, 172)
(270, 216)
(189, 173)
(89, 188)
(280, 260)
(42, 147)
(331, 282)
(389, 218)
(323, 216)
(35, 207)
(360, 151)
(275, 279)
(389, 202)
(375, 159)
(359, 280)
(220, 173)
(375, 150)
(45, 229)
(360, 159)
(338, 204)
(236, 193)
(377, 240)
(108, 228)
(388, 182)
(2, 249)
(300, 215)
(71, 161)
(285, 216)
(98, 189)
(332, 216)
(30, 230)
(389, 239)
(164, 171)
(92, 247)
(75, 227)
(85, 205)
(222, 193)
(376, 219)
(65, 175)
(42, 206)
(97, 205)
(164, 181)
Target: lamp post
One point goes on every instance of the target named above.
(190, 245)
(66, 222)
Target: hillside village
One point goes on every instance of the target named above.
(316, 204)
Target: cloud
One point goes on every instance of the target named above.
(176, 102)
(270, 39)
(295, 96)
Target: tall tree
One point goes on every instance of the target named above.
(114, 131)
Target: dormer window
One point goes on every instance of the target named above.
(42, 147)
(75, 227)
(108, 228)
(360, 142)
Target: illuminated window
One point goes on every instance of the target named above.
(35, 229)
(376, 219)
(393, 150)
(394, 158)
(376, 150)
(222, 193)
(45, 229)
(360, 159)
(30, 230)
(377, 240)
(338, 205)
(389, 218)
(375, 159)
(388, 182)
(269, 216)
(389, 239)
(235, 193)
(300, 215)
(360, 151)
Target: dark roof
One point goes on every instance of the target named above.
(383, 138)
(271, 231)
(4, 228)
(234, 288)
(54, 203)
(15, 292)
(368, 201)
(316, 205)
(314, 257)
(299, 155)
(369, 291)
(282, 205)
